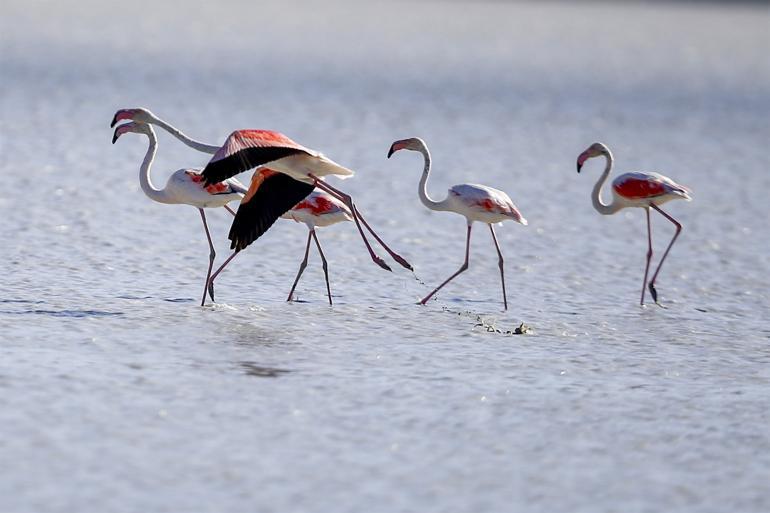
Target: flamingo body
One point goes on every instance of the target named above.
(319, 209)
(641, 189)
(483, 204)
(186, 187)
(246, 149)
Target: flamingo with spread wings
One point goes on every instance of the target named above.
(297, 169)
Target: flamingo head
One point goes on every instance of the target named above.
(414, 144)
(140, 128)
(595, 150)
(138, 115)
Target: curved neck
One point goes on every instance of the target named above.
(145, 182)
(423, 187)
(192, 143)
(601, 207)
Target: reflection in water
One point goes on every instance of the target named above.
(64, 313)
(259, 371)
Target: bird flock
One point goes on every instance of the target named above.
(289, 182)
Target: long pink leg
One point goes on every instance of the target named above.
(349, 202)
(398, 258)
(212, 255)
(210, 281)
(301, 266)
(325, 266)
(500, 264)
(649, 254)
(655, 275)
(462, 268)
(216, 273)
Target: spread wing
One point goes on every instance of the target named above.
(271, 194)
(247, 149)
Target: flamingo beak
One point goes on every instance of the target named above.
(121, 115)
(581, 160)
(115, 135)
(392, 150)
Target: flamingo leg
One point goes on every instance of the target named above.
(462, 268)
(212, 255)
(227, 207)
(673, 239)
(325, 265)
(216, 273)
(349, 202)
(398, 258)
(301, 266)
(500, 264)
(649, 255)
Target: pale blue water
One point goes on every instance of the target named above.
(118, 393)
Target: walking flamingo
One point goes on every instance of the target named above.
(318, 209)
(300, 170)
(185, 187)
(475, 202)
(643, 190)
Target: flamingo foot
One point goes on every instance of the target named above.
(654, 294)
(379, 261)
(401, 260)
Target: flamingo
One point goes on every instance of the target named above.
(296, 169)
(643, 190)
(474, 202)
(185, 187)
(318, 209)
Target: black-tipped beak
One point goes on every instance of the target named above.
(391, 151)
(582, 159)
(115, 136)
(114, 120)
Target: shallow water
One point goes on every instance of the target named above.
(119, 393)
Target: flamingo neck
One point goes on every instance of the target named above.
(192, 143)
(422, 190)
(145, 181)
(599, 205)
